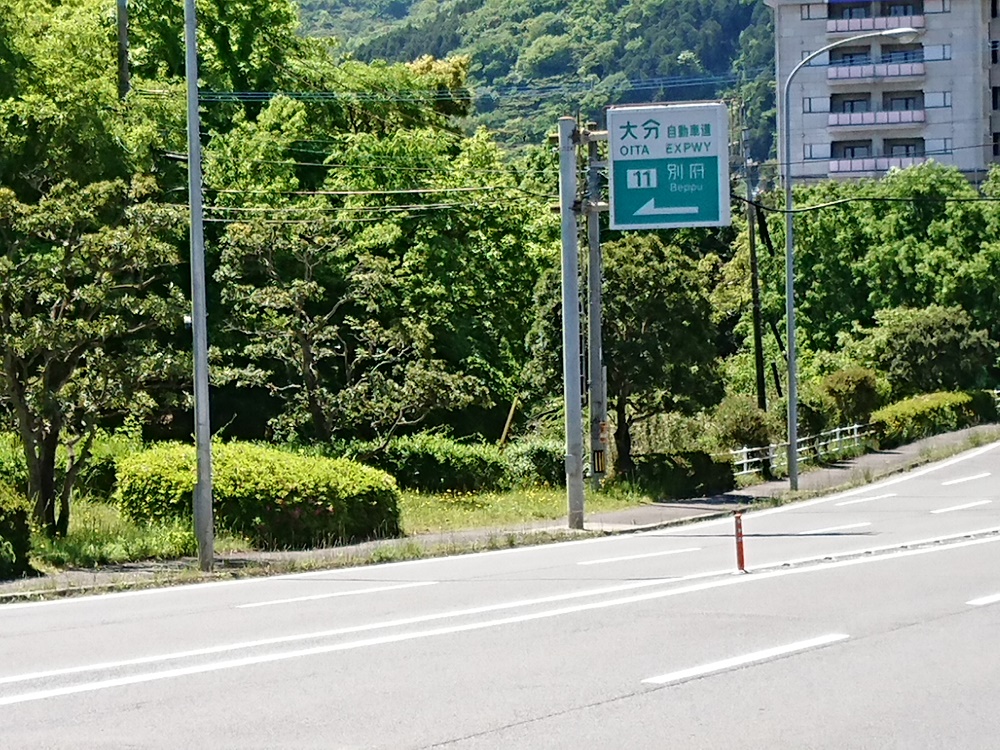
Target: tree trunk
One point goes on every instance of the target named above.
(624, 465)
(41, 459)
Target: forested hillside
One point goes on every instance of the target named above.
(535, 60)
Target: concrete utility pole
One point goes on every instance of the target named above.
(595, 277)
(203, 526)
(124, 78)
(569, 208)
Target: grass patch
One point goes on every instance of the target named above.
(100, 535)
(423, 513)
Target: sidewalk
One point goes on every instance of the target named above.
(856, 471)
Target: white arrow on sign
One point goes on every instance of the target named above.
(650, 209)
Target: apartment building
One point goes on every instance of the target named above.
(865, 107)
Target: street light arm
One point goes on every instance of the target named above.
(786, 137)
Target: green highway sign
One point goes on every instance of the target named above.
(669, 166)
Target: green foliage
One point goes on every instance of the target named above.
(99, 534)
(739, 423)
(625, 52)
(435, 463)
(537, 462)
(854, 390)
(931, 414)
(659, 337)
(924, 350)
(273, 497)
(15, 534)
(682, 475)
(13, 468)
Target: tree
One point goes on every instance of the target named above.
(82, 284)
(659, 340)
(925, 350)
(86, 250)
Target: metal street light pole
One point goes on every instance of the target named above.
(905, 34)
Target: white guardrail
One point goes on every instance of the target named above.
(752, 460)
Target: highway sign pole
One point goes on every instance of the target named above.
(595, 274)
(202, 501)
(569, 208)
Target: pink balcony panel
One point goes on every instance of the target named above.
(857, 25)
(877, 70)
(880, 164)
(855, 119)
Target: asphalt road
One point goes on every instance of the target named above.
(868, 619)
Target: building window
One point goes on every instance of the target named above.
(996, 98)
(994, 11)
(937, 52)
(850, 10)
(851, 56)
(812, 151)
(813, 11)
(851, 149)
(904, 148)
(902, 101)
(996, 144)
(902, 53)
(994, 52)
(851, 103)
(937, 99)
(811, 104)
(897, 9)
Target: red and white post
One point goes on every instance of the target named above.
(740, 562)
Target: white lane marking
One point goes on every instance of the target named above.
(984, 600)
(877, 486)
(830, 529)
(963, 506)
(866, 499)
(739, 661)
(965, 479)
(415, 620)
(415, 635)
(639, 557)
(185, 589)
(355, 592)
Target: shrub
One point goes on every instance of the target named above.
(537, 462)
(739, 423)
(854, 390)
(99, 475)
(931, 414)
(435, 463)
(273, 497)
(15, 534)
(13, 469)
(680, 475)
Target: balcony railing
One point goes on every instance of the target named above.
(838, 72)
(878, 23)
(874, 164)
(886, 117)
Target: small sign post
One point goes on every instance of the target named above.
(669, 166)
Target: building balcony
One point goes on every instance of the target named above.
(854, 73)
(870, 119)
(875, 164)
(841, 26)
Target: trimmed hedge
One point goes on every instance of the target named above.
(537, 462)
(931, 414)
(15, 534)
(275, 498)
(681, 475)
(434, 463)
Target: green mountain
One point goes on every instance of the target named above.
(533, 61)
